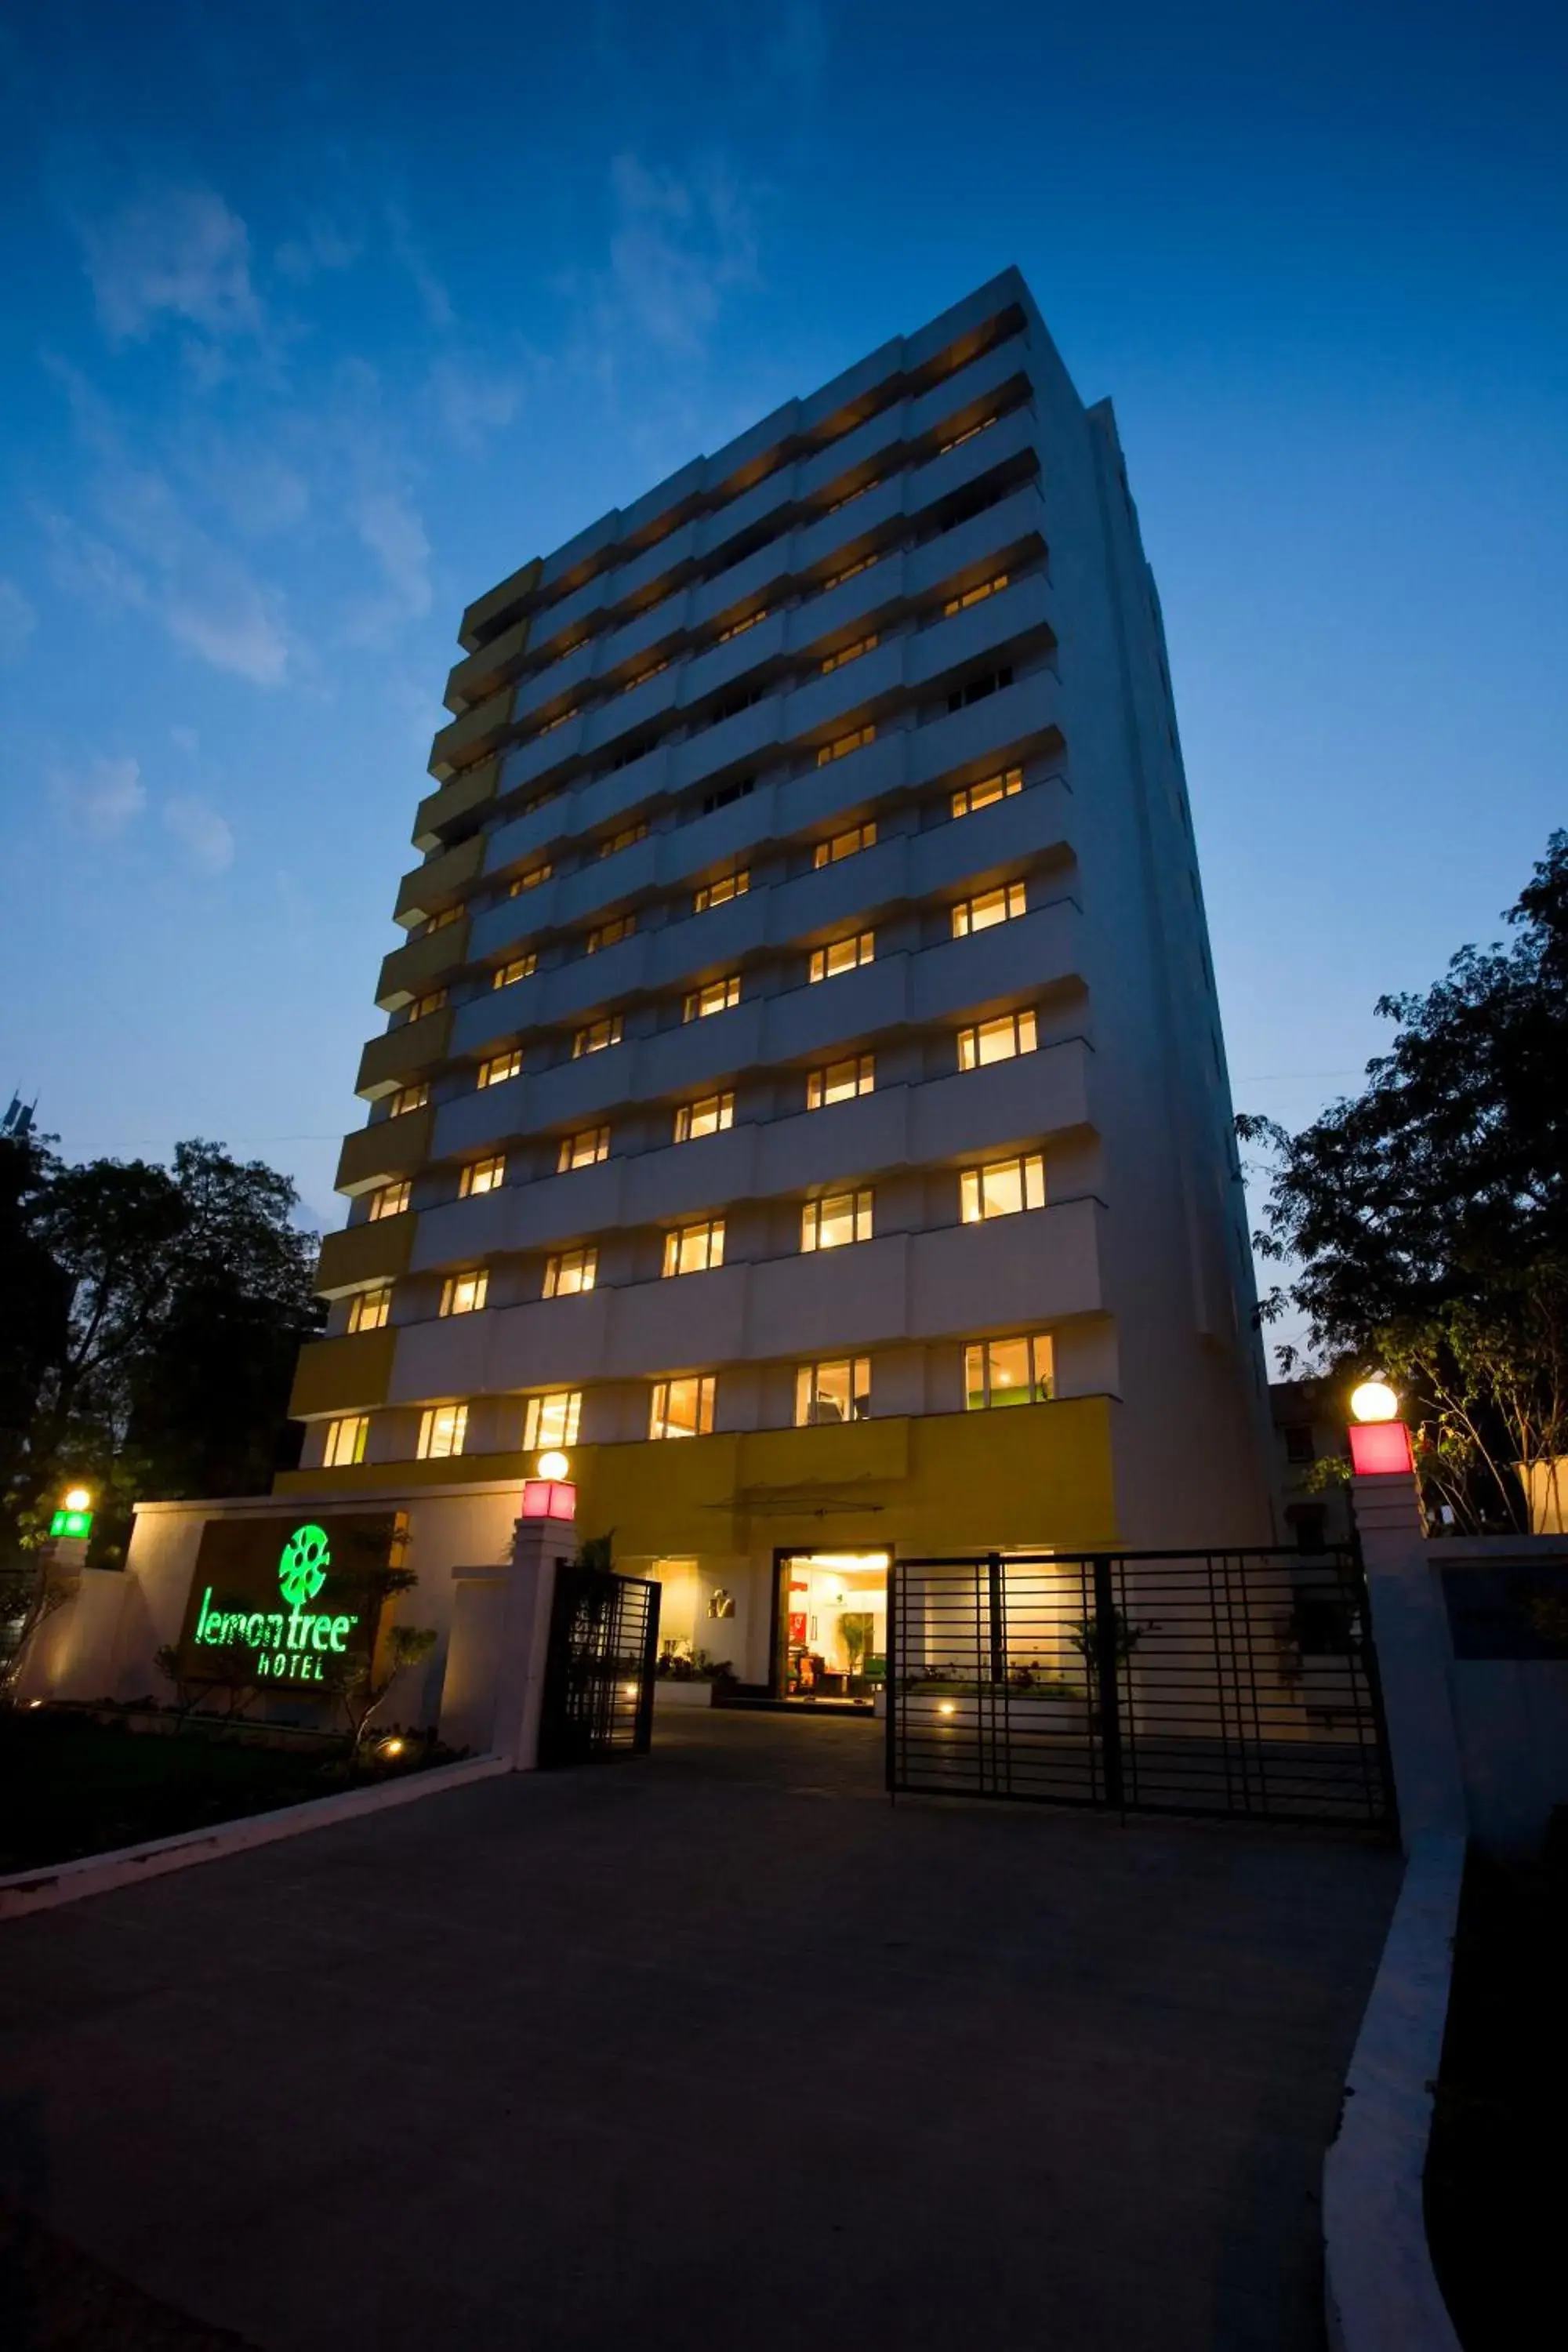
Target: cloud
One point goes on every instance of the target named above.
(389, 525)
(675, 247)
(102, 800)
(206, 838)
(180, 253)
(323, 247)
(471, 402)
(218, 611)
(185, 739)
(438, 303)
(18, 621)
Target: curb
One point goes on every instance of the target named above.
(1380, 2290)
(26, 1891)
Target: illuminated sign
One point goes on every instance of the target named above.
(549, 1498)
(71, 1523)
(291, 1603)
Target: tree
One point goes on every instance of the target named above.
(362, 1686)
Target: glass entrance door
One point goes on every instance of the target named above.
(832, 1642)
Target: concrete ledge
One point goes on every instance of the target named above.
(130, 1866)
(1381, 2292)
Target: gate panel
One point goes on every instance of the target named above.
(597, 1700)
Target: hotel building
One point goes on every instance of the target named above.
(800, 1095)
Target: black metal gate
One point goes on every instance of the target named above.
(597, 1700)
(1234, 1682)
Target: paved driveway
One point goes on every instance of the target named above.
(713, 2048)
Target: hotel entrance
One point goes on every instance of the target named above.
(830, 1644)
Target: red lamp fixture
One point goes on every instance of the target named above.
(1380, 1441)
(551, 1495)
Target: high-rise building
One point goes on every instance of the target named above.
(801, 1096)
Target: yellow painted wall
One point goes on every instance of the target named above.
(362, 1254)
(392, 1147)
(347, 1374)
(409, 970)
(409, 1051)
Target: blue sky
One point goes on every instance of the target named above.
(324, 315)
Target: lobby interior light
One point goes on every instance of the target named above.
(554, 1464)
(1374, 1401)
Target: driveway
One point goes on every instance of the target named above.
(715, 2046)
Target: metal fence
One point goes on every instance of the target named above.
(1223, 1682)
(597, 1700)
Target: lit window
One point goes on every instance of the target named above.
(720, 893)
(976, 595)
(717, 997)
(423, 1006)
(584, 1150)
(707, 1117)
(531, 879)
(559, 721)
(844, 955)
(391, 1201)
(849, 653)
(409, 1099)
(841, 1081)
(968, 434)
(999, 906)
(596, 1036)
(1004, 1189)
(846, 844)
(643, 677)
(1008, 1371)
(609, 935)
(739, 628)
(440, 922)
(628, 835)
(572, 1272)
(346, 1442)
(834, 1220)
(851, 572)
(463, 1294)
(369, 1309)
(552, 1420)
(970, 797)
(501, 1066)
(996, 1041)
(836, 1391)
(681, 1408)
(442, 1430)
(695, 1249)
(481, 1176)
(844, 744)
(523, 967)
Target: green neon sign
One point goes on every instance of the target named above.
(290, 1645)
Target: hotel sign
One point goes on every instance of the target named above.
(295, 1601)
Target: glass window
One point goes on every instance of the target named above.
(481, 1176)
(369, 1310)
(391, 1201)
(846, 743)
(552, 1420)
(442, 1430)
(695, 1249)
(970, 797)
(835, 1219)
(739, 628)
(523, 967)
(720, 893)
(842, 955)
(531, 879)
(833, 1391)
(409, 1099)
(440, 922)
(851, 572)
(574, 1271)
(999, 906)
(974, 595)
(996, 1041)
(718, 996)
(1004, 1189)
(584, 1150)
(463, 1294)
(596, 1036)
(1008, 1371)
(501, 1066)
(849, 652)
(707, 1117)
(346, 1441)
(628, 835)
(846, 844)
(681, 1408)
(611, 934)
(424, 1005)
(841, 1081)
(968, 434)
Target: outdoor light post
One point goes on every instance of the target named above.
(501, 1629)
(70, 1530)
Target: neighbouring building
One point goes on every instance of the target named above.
(1309, 1418)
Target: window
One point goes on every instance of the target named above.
(844, 955)
(531, 879)
(970, 797)
(726, 793)
(851, 572)
(739, 628)
(552, 1420)
(440, 922)
(523, 967)
(559, 721)
(463, 1294)
(1008, 1371)
(1298, 1446)
(572, 1273)
(989, 907)
(976, 595)
(631, 752)
(846, 743)
(409, 1099)
(848, 654)
(834, 1220)
(481, 1176)
(732, 705)
(369, 1309)
(841, 1081)
(720, 893)
(627, 838)
(996, 1041)
(718, 996)
(642, 677)
(596, 1036)
(610, 934)
(708, 1116)
(976, 690)
(681, 1408)
(501, 1066)
(837, 1391)
(424, 1005)
(346, 1442)
(968, 434)
(695, 1249)
(584, 1150)
(442, 1429)
(1001, 1190)
(391, 1201)
(846, 844)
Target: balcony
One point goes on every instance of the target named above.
(440, 882)
(349, 1374)
(440, 812)
(494, 665)
(388, 1148)
(361, 1257)
(488, 615)
(414, 968)
(472, 736)
(415, 1050)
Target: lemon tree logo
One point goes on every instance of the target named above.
(303, 1564)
